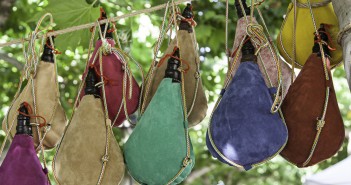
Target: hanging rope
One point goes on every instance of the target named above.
(89, 25)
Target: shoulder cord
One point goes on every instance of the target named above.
(77, 100)
(48, 126)
(149, 76)
(136, 63)
(187, 160)
(320, 121)
(274, 51)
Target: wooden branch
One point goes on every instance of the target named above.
(11, 60)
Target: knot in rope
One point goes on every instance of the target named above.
(320, 124)
(321, 41)
(256, 33)
(105, 158)
(106, 48)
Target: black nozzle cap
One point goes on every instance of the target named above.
(188, 11)
(90, 81)
(248, 52)
(48, 52)
(188, 14)
(323, 35)
(172, 68)
(102, 26)
(239, 11)
(23, 121)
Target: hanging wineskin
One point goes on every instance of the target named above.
(323, 13)
(242, 130)
(117, 76)
(159, 150)
(89, 133)
(21, 164)
(45, 102)
(315, 125)
(196, 101)
(267, 57)
(342, 10)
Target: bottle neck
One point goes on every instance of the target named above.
(48, 52)
(239, 10)
(90, 83)
(248, 52)
(172, 70)
(23, 122)
(324, 37)
(187, 14)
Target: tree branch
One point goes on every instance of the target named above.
(5, 9)
(198, 173)
(11, 60)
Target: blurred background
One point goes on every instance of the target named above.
(138, 35)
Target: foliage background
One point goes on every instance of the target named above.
(138, 35)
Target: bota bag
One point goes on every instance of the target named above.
(243, 132)
(159, 150)
(39, 88)
(21, 165)
(316, 129)
(294, 38)
(196, 101)
(89, 153)
(122, 90)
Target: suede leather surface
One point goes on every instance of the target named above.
(78, 159)
(189, 54)
(302, 106)
(304, 30)
(267, 63)
(21, 165)
(242, 127)
(155, 151)
(113, 70)
(47, 103)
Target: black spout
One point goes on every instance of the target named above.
(90, 81)
(324, 37)
(248, 52)
(239, 11)
(173, 65)
(188, 14)
(23, 121)
(102, 26)
(48, 52)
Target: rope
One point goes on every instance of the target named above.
(227, 52)
(312, 5)
(89, 25)
(154, 61)
(343, 31)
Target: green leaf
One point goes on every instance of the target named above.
(69, 13)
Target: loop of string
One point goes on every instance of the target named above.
(150, 74)
(31, 115)
(170, 55)
(319, 40)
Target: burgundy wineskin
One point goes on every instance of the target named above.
(113, 74)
